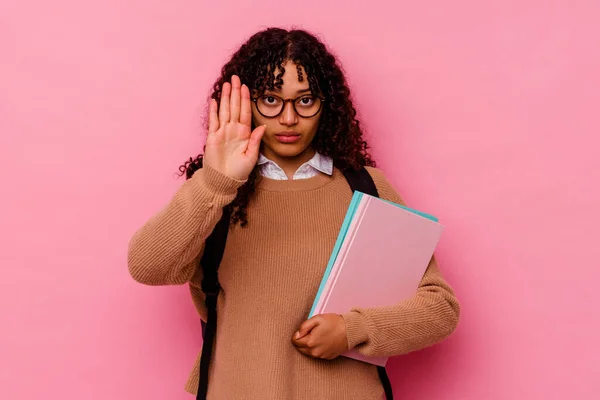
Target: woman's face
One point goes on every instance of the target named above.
(288, 134)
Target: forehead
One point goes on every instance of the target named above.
(294, 78)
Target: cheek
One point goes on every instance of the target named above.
(312, 125)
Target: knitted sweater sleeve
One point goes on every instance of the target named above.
(418, 322)
(167, 248)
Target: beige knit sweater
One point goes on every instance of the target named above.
(270, 274)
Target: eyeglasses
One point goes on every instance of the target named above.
(306, 106)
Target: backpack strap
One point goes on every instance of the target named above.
(385, 382)
(211, 258)
(359, 180)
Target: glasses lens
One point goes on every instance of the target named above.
(269, 106)
(307, 106)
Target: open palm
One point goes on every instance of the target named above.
(231, 146)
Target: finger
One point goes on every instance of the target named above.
(254, 142)
(224, 104)
(302, 342)
(213, 118)
(304, 351)
(307, 326)
(311, 352)
(246, 110)
(235, 100)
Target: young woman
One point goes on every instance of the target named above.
(281, 130)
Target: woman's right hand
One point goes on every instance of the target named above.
(231, 148)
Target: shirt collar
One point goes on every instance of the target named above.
(322, 163)
(319, 162)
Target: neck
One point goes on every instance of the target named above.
(289, 165)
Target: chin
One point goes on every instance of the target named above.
(288, 150)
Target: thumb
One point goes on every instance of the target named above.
(307, 326)
(255, 138)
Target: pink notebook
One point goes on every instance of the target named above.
(380, 262)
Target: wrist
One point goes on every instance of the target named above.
(218, 182)
(356, 329)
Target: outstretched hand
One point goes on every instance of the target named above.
(231, 148)
(323, 336)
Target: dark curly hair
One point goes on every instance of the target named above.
(339, 134)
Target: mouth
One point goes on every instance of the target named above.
(288, 137)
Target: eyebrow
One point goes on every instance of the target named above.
(297, 91)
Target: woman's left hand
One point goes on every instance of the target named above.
(323, 336)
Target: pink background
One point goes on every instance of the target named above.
(482, 113)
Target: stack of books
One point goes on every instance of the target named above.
(379, 258)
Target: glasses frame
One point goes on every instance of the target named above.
(293, 101)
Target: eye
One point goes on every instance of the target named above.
(306, 101)
(270, 100)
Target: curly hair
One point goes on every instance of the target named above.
(339, 134)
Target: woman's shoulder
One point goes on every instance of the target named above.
(385, 188)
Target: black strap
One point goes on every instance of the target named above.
(358, 180)
(385, 382)
(211, 259)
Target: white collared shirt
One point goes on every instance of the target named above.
(318, 163)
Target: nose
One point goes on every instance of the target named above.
(288, 116)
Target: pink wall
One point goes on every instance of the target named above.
(483, 114)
